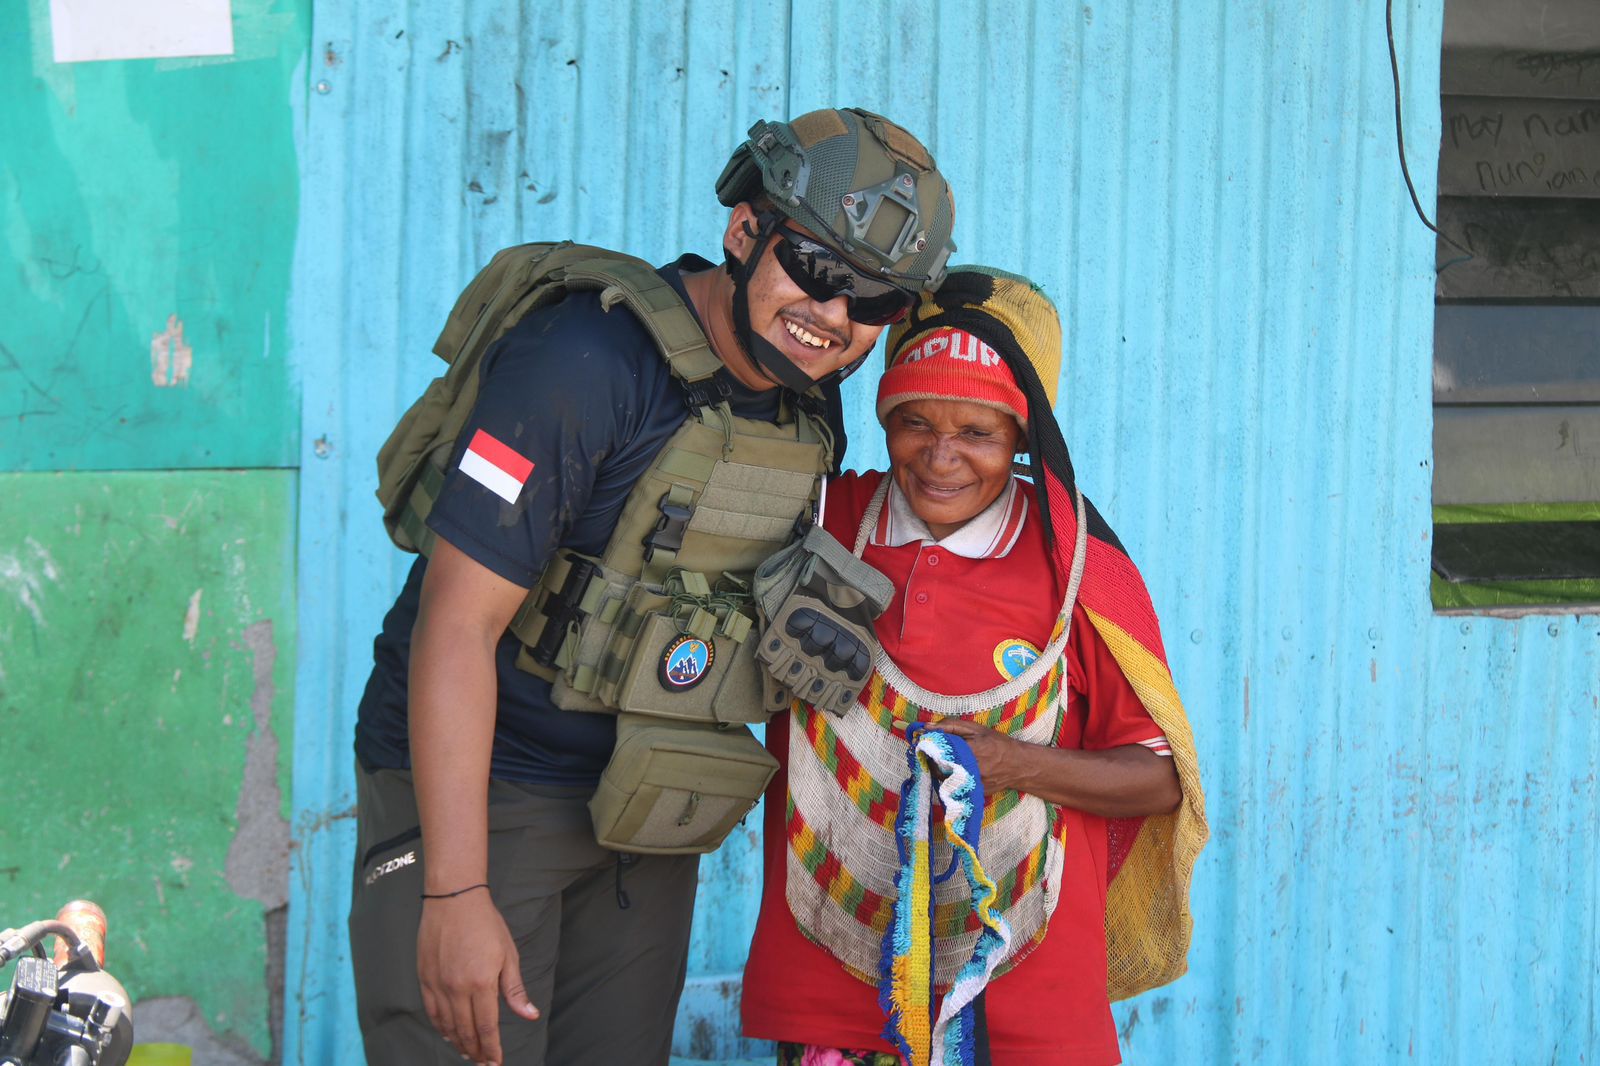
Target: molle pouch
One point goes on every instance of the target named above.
(691, 675)
(581, 601)
(677, 788)
(818, 602)
(689, 655)
(606, 644)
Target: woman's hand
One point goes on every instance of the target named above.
(1123, 782)
(999, 757)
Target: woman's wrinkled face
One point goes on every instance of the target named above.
(951, 458)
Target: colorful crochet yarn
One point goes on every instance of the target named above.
(905, 987)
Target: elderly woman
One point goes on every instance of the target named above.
(1019, 628)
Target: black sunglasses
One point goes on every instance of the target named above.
(824, 274)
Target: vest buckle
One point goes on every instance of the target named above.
(698, 394)
(670, 527)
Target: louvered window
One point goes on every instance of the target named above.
(1516, 371)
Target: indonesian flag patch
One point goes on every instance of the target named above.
(496, 467)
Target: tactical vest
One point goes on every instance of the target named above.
(723, 495)
(658, 626)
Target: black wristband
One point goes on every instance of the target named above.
(457, 892)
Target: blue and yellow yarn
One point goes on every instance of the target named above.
(905, 988)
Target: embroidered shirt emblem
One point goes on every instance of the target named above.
(1013, 656)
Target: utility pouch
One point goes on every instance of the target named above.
(817, 603)
(675, 788)
(678, 675)
(603, 646)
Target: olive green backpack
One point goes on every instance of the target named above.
(520, 279)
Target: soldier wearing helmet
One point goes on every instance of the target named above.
(847, 203)
(488, 921)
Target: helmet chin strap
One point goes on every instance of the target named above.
(767, 359)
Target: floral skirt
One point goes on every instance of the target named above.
(811, 1055)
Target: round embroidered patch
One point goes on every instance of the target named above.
(685, 662)
(1013, 656)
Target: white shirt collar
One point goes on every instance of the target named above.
(990, 534)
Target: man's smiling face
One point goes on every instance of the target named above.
(817, 337)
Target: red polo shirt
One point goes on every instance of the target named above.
(960, 603)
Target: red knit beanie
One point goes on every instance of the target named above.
(951, 364)
(945, 349)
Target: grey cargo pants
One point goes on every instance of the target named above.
(605, 977)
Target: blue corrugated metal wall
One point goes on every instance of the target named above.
(1403, 805)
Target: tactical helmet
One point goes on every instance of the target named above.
(858, 181)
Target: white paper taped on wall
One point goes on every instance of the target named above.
(85, 30)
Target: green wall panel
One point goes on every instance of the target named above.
(146, 655)
(136, 198)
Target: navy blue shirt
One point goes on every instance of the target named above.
(585, 396)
